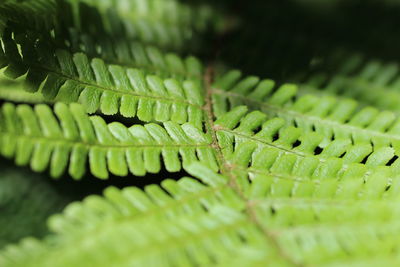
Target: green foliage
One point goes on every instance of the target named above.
(281, 174)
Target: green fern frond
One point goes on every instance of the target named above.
(165, 23)
(126, 52)
(68, 137)
(132, 54)
(331, 117)
(111, 88)
(169, 23)
(169, 12)
(252, 144)
(177, 214)
(283, 220)
(35, 15)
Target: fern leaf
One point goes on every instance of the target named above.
(179, 215)
(111, 88)
(133, 52)
(169, 24)
(168, 12)
(166, 23)
(252, 144)
(151, 59)
(66, 138)
(328, 116)
(324, 206)
(283, 212)
(35, 15)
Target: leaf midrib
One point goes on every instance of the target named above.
(70, 142)
(225, 169)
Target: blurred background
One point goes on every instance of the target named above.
(284, 38)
